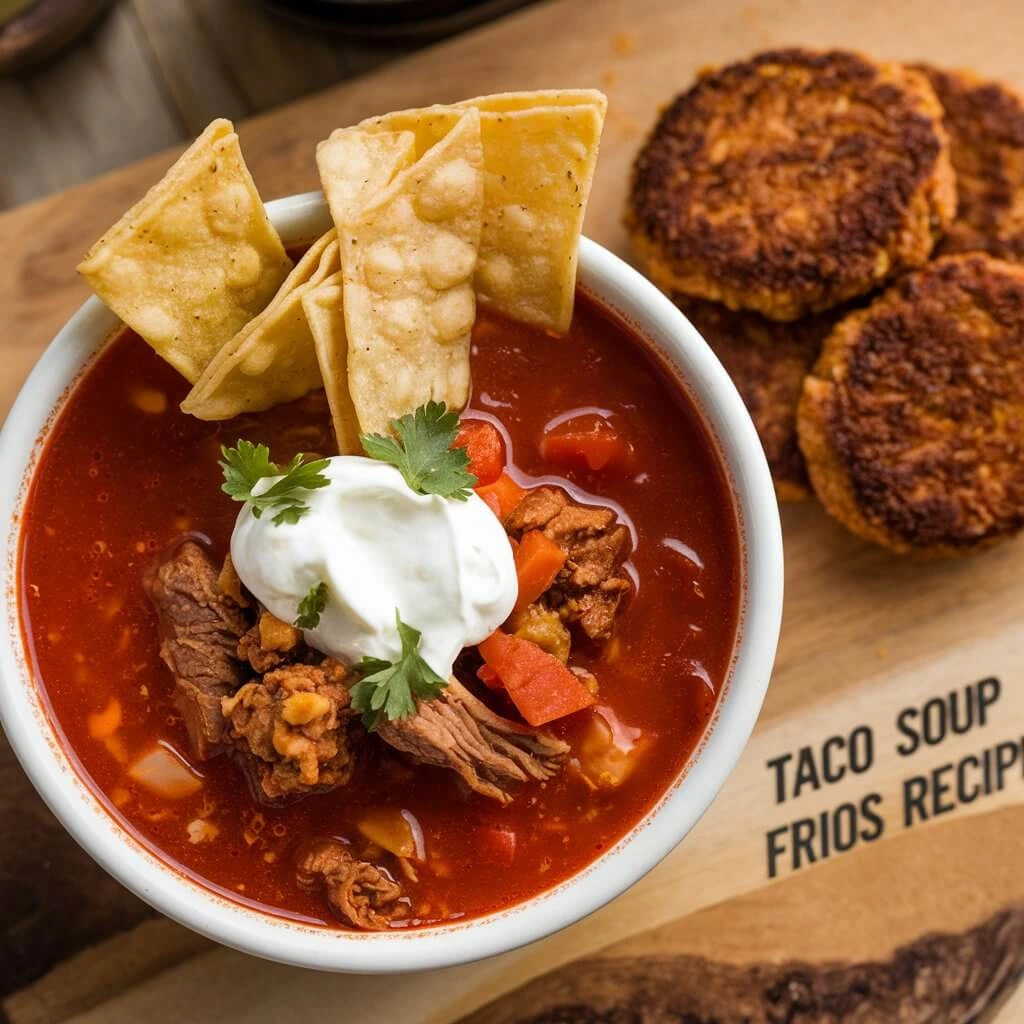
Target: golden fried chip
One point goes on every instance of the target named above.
(408, 263)
(193, 261)
(273, 358)
(503, 102)
(323, 308)
(356, 166)
(539, 166)
(540, 151)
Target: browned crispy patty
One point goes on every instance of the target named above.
(912, 421)
(767, 361)
(985, 124)
(791, 182)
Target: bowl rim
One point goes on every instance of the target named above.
(54, 772)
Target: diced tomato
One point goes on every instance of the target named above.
(489, 677)
(502, 495)
(540, 686)
(486, 450)
(538, 561)
(587, 442)
(497, 844)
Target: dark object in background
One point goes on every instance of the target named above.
(397, 19)
(32, 32)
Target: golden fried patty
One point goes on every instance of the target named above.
(985, 124)
(912, 421)
(767, 361)
(791, 182)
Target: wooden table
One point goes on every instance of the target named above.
(865, 635)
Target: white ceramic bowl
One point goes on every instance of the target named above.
(617, 285)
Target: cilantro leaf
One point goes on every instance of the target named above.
(247, 463)
(311, 607)
(422, 450)
(391, 689)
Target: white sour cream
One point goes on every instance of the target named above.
(447, 566)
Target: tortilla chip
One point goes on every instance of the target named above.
(272, 359)
(323, 308)
(539, 163)
(408, 263)
(191, 263)
(503, 102)
(356, 166)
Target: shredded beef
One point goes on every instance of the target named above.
(200, 628)
(291, 730)
(591, 584)
(361, 894)
(491, 753)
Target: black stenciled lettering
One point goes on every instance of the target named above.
(862, 749)
(803, 843)
(905, 724)
(778, 764)
(776, 848)
(806, 772)
(915, 789)
(933, 721)
(989, 691)
(1007, 755)
(967, 792)
(844, 827)
(875, 827)
(830, 771)
(941, 788)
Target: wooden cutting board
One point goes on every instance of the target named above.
(752, 910)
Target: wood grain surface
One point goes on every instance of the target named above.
(864, 634)
(153, 73)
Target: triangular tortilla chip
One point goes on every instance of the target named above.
(503, 102)
(272, 359)
(356, 166)
(408, 263)
(191, 263)
(540, 152)
(323, 308)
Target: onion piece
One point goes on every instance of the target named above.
(162, 772)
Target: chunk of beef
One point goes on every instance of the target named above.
(361, 894)
(200, 628)
(591, 584)
(291, 730)
(271, 643)
(491, 753)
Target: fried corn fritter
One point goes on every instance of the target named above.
(791, 182)
(985, 124)
(912, 421)
(767, 361)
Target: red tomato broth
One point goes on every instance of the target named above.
(116, 484)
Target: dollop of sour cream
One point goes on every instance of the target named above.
(445, 565)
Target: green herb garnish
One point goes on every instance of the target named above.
(311, 606)
(423, 452)
(392, 688)
(247, 463)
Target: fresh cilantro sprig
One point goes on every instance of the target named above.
(390, 688)
(422, 450)
(247, 463)
(311, 607)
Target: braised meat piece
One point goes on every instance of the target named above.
(491, 753)
(271, 643)
(361, 894)
(591, 584)
(200, 628)
(291, 730)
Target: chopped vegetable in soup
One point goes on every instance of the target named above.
(215, 703)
